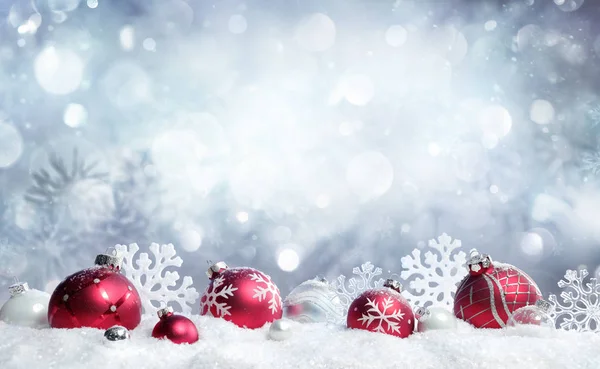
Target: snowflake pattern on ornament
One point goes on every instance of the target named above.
(215, 291)
(154, 283)
(580, 307)
(381, 316)
(366, 281)
(433, 280)
(262, 292)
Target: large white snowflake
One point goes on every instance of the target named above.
(432, 281)
(580, 307)
(379, 315)
(365, 280)
(214, 292)
(269, 289)
(155, 284)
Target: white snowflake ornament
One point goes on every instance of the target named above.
(580, 307)
(433, 279)
(155, 284)
(365, 280)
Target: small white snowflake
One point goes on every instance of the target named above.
(580, 307)
(269, 289)
(366, 280)
(380, 316)
(213, 292)
(433, 280)
(154, 283)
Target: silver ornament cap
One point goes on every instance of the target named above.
(545, 306)
(117, 333)
(164, 312)
(422, 313)
(281, 330)
(477, 261)
(216, 269)
(18, 288)
(109, 261)
(393, 284)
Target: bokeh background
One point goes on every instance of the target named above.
(300, 137)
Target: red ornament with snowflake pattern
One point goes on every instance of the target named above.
(382, 310)
(492, 291)
(97, 297)
(244, 296)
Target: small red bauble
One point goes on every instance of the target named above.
(243, 296)
(490, 293)
(175, 328)
(382, 310)
(97, 297)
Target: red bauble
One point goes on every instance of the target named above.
(243, 296)
(175, 328)
(492, 291)
(97, 297)
(382, 310)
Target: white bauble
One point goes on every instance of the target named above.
(434, 318)
(313, 301)
(26, 307)
(281, 330)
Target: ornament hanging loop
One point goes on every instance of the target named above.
(216, 269)
(110, 260)
(545, 306)
(393, 284)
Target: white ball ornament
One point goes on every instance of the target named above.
(281, 330)
(26, 307)
(434, 318)
(313, 301)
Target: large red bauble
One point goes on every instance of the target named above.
(175, 328)
(492, 291)
(382, 310)
(243, 296)
(97, 297)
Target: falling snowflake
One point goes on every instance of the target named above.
(153, 282)
(391, 319)
(433, 280)
(269, 289)
(365, 281)
(209, 299)
(580, 307)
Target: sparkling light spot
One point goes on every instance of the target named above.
(75, 115)
(242, 216)
(288, 260)
(37, 307)
(96, 280)
(358, 89)
(149, 44)
(541, 112)
(316, 32)
(58, 71)
(396, 36)
(11, 145)
(104, 295)
(113, 308)
(92, 4)
(532, 244)
(191, 239)
(490, 25)
(127, 37)
(434, 149)
(237, 24)
(370, 175)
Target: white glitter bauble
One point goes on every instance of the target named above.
(434, 318)
(281, 330)
(26, 307)
(313, 301)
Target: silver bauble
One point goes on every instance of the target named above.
(313, 301)
(116, 333)
(434, 318)
(281, 330)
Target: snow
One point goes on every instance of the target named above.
(224, 345)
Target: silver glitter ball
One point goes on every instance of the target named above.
(435, 318)
(281, 330)
(313, 301)
(116, 333)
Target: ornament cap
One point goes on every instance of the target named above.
(422, 313)
(164, 312)
(393, 284)
(544, 306)
(18, 288)
(320, 278)
(109, 261)
(216, 269)
(478, 262)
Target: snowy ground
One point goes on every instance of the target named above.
(223, 345)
